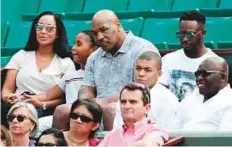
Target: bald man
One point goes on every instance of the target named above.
(211, 110)
(111, 67)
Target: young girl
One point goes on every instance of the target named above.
(70, 83)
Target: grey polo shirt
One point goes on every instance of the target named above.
(109, 73)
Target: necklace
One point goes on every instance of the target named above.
(44, 58)
(76, 143)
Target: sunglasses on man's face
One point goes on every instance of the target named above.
(205, 73)
(48, 27)
(189, 35)
(46, 144)
(83, 118)
(20, 118)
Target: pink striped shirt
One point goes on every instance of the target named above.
(143, 130)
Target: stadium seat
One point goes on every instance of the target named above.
(225, 4)
(57, 6)
(161, 31)
(5, 60)
(74, 27)
(138, 5)
(75, 6)
(95, 5)
(134, 25)
(219, 32)
(18, 34)
(4, 31)
(216, 12)
(180, 5)
(13, 10)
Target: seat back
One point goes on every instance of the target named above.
(135, 25)
(57, 6)
(74, 27)
(138, 5)
(18, 34)
(161, 31)
(114, 5)
(193, 4)
(225, 4)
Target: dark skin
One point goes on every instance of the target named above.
(195, 47)
(108, 31)
(110, 36)
(211, 84)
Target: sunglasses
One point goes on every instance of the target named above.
(205, 73)
(83, 118)
(46, 144)
(48, 27)
(20, 118)
(189, 35)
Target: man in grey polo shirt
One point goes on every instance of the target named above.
(111, 67)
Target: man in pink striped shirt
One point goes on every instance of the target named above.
(137, 130)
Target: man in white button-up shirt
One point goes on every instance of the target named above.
(212, 110)
(164, 104)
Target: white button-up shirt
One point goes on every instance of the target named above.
(213, 115)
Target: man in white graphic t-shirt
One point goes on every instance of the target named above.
(179, 67)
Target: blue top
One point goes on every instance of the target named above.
(109, 73)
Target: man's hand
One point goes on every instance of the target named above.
(33, 100)
(145, 143)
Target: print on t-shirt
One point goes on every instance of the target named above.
(182, 83)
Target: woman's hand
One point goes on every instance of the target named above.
(11, 98)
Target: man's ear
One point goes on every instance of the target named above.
(203, 32)
(119, 26)
(159, 72)
(147, 107)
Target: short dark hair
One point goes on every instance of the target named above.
(93, 107)
(138, 86)
(92, 38)
(151, 55)
(60, 46)
(57, 134)
(194, 15)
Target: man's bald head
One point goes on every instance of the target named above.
(212, 76)
(105, 15)
(217, 63)
(108, 30)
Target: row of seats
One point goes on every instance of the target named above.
(159, 31)
(28, 9)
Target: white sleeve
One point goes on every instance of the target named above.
(118, 121)
(68, 65)
(164, 78)
(17, 60)
(225, 124)
(61, 82)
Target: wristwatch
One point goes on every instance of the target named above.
(44, 106)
